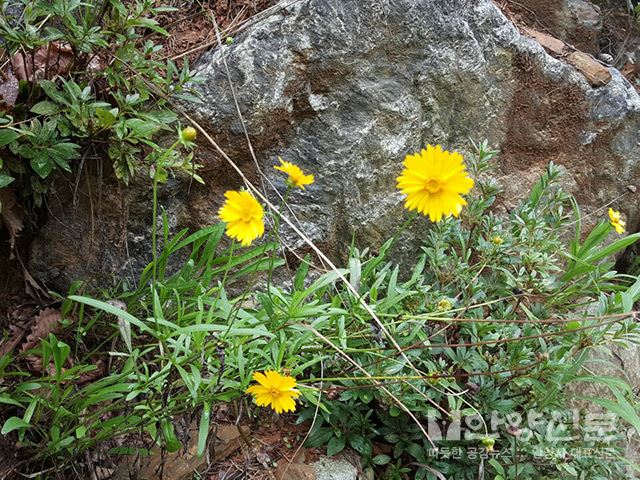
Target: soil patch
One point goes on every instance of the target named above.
(548, 119)
(192, 29)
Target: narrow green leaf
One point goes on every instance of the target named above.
(5, 180)
(7, 136)
(203, 429)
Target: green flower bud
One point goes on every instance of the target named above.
(497, 240)
(488, 443)
(188, 134)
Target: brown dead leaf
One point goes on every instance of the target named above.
(11, 216)
(47, 61)
(630, 70)
(17, 334)
(32, 287)
(93, 375)
(46, 322)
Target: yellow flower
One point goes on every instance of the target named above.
(188, 134)
(615, 218)
(274, 390)
(296, 178)
(497, 240)
(433, 181)
(243, 215)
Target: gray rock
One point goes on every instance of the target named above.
(345, 89)
(334, 469)
(580, 18)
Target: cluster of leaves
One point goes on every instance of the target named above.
(471, 318)
(106, 97)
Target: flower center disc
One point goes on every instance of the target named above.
(247, 215)
(274, 392)
(432, 185)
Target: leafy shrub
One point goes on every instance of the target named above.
(91, 86)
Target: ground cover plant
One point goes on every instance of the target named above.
(89, 84)
(493, 321)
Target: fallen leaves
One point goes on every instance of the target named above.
(44, 63)
(46, 322)
(48, 61)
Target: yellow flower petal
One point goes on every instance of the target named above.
(615, 218)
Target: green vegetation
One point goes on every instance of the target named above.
(493, 322)
(91, 86)
(495, 319)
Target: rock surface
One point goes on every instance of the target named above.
(623, 363)
(345, 89)
(334, 469)
(295, 471)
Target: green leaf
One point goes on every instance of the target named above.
(203, 429)
(66, 150)
(164, 117)
(106, 118)
(142, 128)
(499, 468)
(597, 235)
(81, 431)
(51, 90)
(589, 262)
(171, 442)
(5, 180)
(42, 164)
(381, 459)
(7, 136)
(107, 307)
(360, 444)
(45, 108)
(336, 445)
(614, 383)
(12, 424)
(623, 409)
(9, 401)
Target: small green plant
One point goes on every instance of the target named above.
(91, 88)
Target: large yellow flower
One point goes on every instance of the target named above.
(433, 181)
(296, 177)
(615, 218)
(274, 390)
(243, 215)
